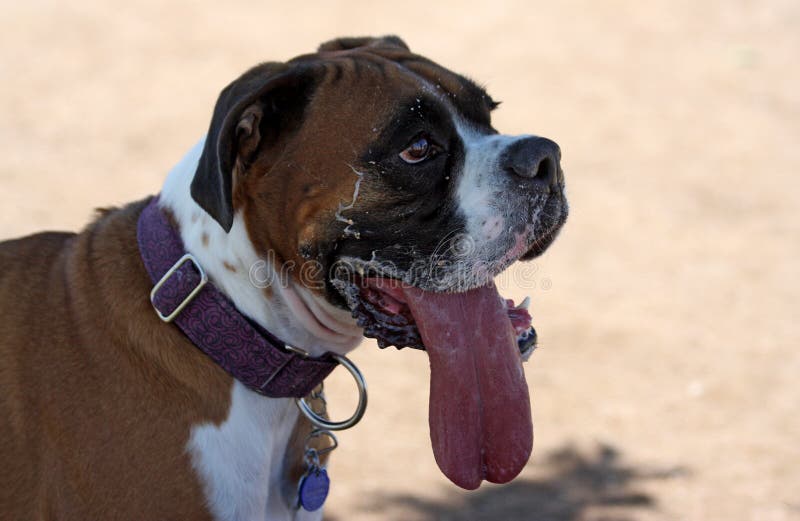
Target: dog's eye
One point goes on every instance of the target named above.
(419, 150)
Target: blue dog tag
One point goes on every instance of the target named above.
(313, 489)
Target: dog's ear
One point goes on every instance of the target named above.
(250, 109)
(345, 44)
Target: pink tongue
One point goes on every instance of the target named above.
(479, 413)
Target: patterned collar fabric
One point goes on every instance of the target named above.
(241, 347)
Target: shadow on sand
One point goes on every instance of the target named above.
(575, 486)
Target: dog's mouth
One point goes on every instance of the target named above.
(479, 411)
(381, 308)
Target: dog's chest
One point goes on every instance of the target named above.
(240, 461)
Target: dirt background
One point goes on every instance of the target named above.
(667, 382)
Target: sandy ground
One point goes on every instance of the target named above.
(666, 385)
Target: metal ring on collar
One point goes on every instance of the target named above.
(324, 423)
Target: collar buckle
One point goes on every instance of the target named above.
(186, 300)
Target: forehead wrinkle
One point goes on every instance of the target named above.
(400, 64)
(389, 65)
(462, 82)
(378, 58)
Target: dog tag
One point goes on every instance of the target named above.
(313, 489)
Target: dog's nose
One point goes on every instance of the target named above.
(534, 158)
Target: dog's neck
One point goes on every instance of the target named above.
(254, 284)
(241, 461)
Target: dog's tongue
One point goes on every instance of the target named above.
(479, 413)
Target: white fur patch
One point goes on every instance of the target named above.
(240, 462)
(483, 195)
(478, 186)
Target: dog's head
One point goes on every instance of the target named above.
(381, 170)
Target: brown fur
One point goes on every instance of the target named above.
(92, 381)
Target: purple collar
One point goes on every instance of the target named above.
(183, 295)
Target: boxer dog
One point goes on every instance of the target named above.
(149, 364)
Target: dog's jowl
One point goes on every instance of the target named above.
(149, 365)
